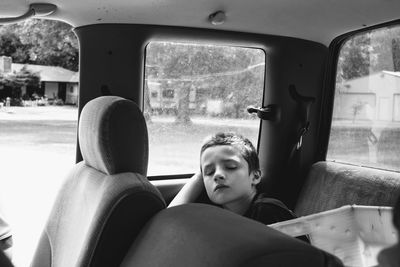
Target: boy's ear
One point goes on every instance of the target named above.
(256, 177)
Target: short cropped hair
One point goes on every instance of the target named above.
(244, 145)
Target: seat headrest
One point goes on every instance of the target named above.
(113, 136)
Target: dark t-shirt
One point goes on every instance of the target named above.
(270, 210)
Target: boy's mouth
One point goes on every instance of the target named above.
(220, 186)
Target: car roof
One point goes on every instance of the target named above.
(316, 20)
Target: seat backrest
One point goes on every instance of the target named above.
(4, 260)
(198, 235)
(106, 198)
(331, 185)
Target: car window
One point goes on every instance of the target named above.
(38, 124)
(366, 115)
(192, 91)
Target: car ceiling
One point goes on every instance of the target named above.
(316, 20)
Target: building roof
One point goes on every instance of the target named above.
(394, 73)
(49, 73)
(378, 82)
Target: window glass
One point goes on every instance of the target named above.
(192, 91)
(38, 124)
(366, 115)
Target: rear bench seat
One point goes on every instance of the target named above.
(198, 235)
(330, 185)
(202, 235)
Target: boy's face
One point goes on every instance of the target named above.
(226, 176)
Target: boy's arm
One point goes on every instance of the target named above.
(190, 191)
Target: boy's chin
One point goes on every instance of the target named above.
(218, 200)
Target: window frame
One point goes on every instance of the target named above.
(217, 42)
(328, 96)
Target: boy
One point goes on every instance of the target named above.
(230, 173)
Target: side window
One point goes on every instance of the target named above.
(366, 116)
(192, 91)
(38, 124)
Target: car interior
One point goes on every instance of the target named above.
(318, 144)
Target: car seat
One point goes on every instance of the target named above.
(106, 198)
(198, 235)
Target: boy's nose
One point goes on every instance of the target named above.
(219, 175)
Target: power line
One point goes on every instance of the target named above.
(207, 76)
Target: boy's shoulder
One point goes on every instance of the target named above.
(263, 199)
(269, 210)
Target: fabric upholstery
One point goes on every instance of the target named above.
(200, 235)
(331, 185)
(113, 136)
(4, 260)
(103, 204)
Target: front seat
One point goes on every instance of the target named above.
(106, 198)
(199, 235)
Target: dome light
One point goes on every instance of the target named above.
(217, 18)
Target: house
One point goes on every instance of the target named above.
(55, 82)
(164, 96)
(373, 97)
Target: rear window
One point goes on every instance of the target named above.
(192, 91)
(366, 115)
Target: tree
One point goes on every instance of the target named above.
(370, 52)
(357, 108)
(21, 78)
(15, 80)
(385, 49)
(354, 58)
(181, 67)
(11, 45)
(41, 42)
(223, 69)
(396, 53)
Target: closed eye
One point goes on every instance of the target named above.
(231, 166)
(208, 171)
